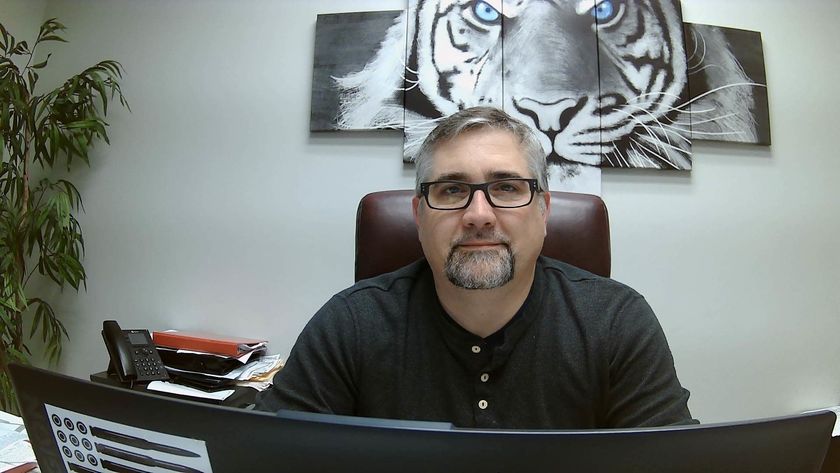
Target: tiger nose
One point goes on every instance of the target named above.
(550, 116)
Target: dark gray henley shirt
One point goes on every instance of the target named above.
(583, 352)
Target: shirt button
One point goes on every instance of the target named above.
(482, 404)
(484, 377)
(476, 349)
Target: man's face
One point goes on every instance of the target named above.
(481, 247)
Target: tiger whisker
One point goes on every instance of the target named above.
(647, 105)
(619, 159)
(634, 101)
(644, 125)
(607, 157)
(639, 157)
(622, 158)
(613, 154)
(703, 56)
(406, 89)
(693, 53)
(717, 89)
(654, 152)
(692, 112)
(698, 122)
(657, 140)
(709, 133)
(632, 159)
(695, 71)
(674, 109)
(675, 148)
(655, 119)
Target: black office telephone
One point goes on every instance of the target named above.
(134, 356)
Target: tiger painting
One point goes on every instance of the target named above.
(604, 83)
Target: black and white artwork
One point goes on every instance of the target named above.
(727, 84)
(344, 45)
(603, 83)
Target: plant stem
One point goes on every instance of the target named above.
(17, 315)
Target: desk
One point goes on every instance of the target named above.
(832, 458)
(242, 396)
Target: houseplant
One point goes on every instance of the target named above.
(45, 133)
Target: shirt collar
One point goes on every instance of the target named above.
(493, 349)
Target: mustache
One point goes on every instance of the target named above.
(482, 235)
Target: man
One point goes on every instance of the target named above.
(484, 332)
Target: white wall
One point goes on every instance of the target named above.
(214, 208)
(22, 18)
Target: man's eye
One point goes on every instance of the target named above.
(453, 190)
(507, 188)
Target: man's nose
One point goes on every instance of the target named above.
(479, 213)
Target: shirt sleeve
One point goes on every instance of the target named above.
(320, 374)
(644, 390)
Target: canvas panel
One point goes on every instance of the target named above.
(345, 43)
(728, 84)
(643, 87)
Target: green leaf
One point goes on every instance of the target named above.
(32, 76)
(36, 320)
(21, 48)
(63, 123)
(6, 38)
(54, 38)
(43, 64)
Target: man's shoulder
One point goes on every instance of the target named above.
(394, 283)
(373, 305)
(574, 278)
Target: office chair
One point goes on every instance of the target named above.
(386, 238)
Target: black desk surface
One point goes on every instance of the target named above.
(832, 458)
(242, 396)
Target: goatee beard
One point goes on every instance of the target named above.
(479, 269)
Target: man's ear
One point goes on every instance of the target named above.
(415, 205)
(547, 211)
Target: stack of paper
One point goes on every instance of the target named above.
(209, 366)
(15, 451)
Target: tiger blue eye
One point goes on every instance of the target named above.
(485, 12)
(604, 11)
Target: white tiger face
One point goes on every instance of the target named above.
(541, 60)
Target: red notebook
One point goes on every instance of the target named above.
(206, 342)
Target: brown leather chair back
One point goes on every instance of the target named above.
(386, 238)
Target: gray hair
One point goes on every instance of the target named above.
(480, 118)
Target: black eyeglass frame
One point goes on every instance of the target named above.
(532, 185)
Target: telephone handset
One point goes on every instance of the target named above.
(134, 356)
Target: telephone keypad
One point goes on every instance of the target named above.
(148, 363)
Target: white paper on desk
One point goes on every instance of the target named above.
(15, 449)
(836, 411)
(11, 431)
(172, 388)
(255, 368)
(10, 435)
(242, 358)
(5, 417)
(16, 454)
(259, 367)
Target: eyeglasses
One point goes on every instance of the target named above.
(456, 195)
